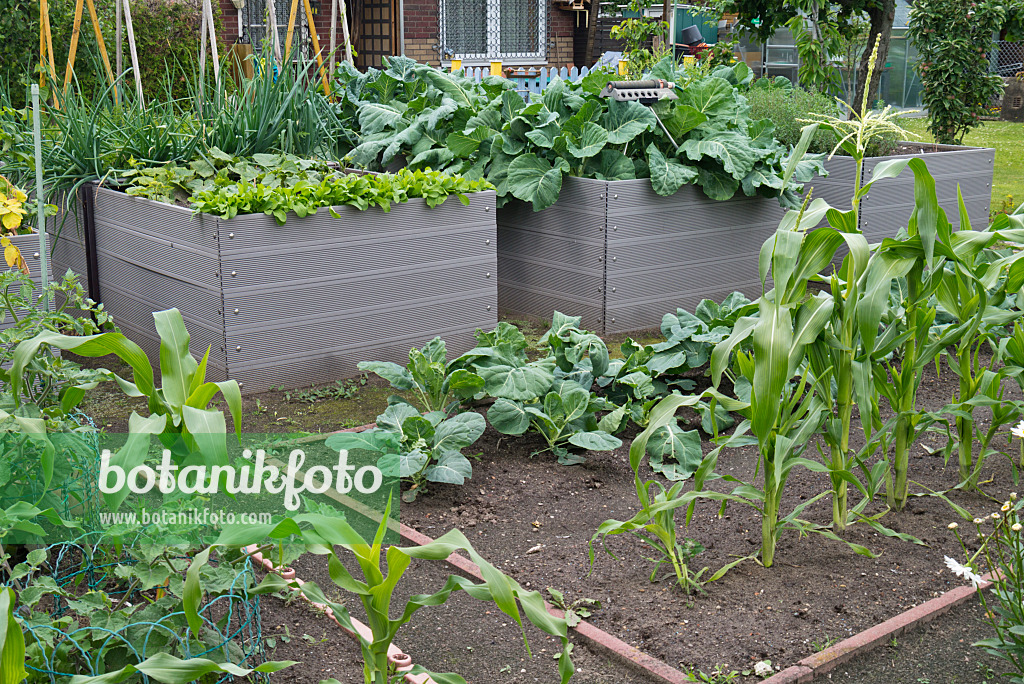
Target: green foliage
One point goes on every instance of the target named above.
(421, 447)
(49, 380)
(690, 337)
(439, 385)
(953, 39)
(178, 410)
(412, 113)
(1001, 558)
(564, 417)
(638, 33)
(359, 191)
(166, 34)
(776, 99)
(375, 590)
(576, 610)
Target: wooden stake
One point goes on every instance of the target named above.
(344, 32)
(73, 49)
(45, 42)
(334, 31)
(135, 55)
(316, 47)
(118, 48)
(208, 11)
(102, 45)
(291, 29)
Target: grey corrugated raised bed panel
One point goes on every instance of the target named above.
(888, 205)
(289, 306)
(622, 256)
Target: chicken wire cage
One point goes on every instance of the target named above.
(62, 642)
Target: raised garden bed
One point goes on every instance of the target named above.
(293, 305)
(885, 209)
(621, 256)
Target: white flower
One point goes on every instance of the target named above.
(995, 516)
(1005, 507)
(1013, 496)
(1016, 527)
(962, 571)
(1019, 430)
(953, 526)
(978, 521)
(762, 668)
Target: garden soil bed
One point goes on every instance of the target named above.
(817, 593)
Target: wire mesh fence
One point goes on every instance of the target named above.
(1007, 59)
(86, 610)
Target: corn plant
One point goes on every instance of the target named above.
(375, 589)
(655, 522)
(179, 413)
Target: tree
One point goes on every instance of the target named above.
(832, 22)
(953, 39)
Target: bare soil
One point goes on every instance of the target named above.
(534, 519)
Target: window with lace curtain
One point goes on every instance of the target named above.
(493, 29)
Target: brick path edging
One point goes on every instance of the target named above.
(821, 663)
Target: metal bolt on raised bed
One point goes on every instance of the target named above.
(236, 310)
(234, 273)
(231, 235)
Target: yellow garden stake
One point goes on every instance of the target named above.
(102, 46)
(291, 29)
(496, 68)
(623, 67)
(316, 47)
(45, 43)
(73, 49)
(456, 65)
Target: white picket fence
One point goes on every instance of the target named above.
(531, 80)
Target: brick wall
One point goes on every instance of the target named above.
(422, 33)
(422, 30)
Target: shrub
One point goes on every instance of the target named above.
(166, 34)
(785, 105)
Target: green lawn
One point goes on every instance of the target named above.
(1008, 140)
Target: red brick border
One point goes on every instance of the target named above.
(819, 664)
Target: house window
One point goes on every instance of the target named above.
(493, 29)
